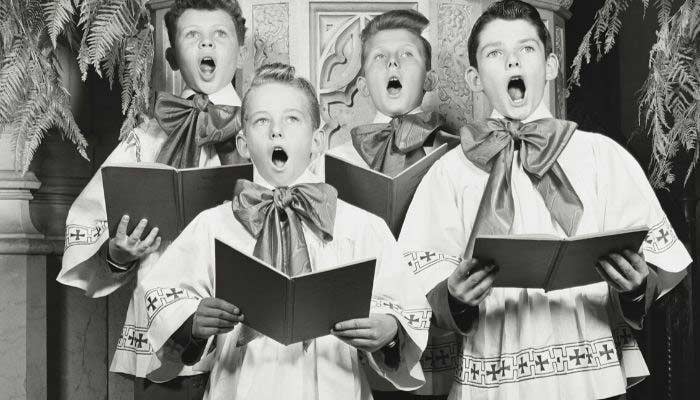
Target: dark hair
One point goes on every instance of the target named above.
(284, 73)
(508, 10)
(407, 19)
(180, 6)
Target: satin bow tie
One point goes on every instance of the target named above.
(490, 145)
(392, 147)
(190, 124)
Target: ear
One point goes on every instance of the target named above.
(362, 86)
(430, 81)
(317, 141)
(551, 67)
(242, 56)
(471, 75)
(171, 59)
(242, 145)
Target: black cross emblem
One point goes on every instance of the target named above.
(540, 363)
(504, 368)
(589, 356)
(626, 336)
(474, 371)
(442, 358)
(140, 341)
(578, 357)
(607, 352)
(131, 338)
(493, 372)
(174, 293)
(427, 256)
(649, 239)
(151, 303)
(413, 319)
(522, 365)
(77, 235)
(663, 235)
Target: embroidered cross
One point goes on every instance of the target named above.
(442, 358)
(140, 340)
(474, 371)
(493, 372)
(77, 235)
(131, 338)
(540, 363)
(522, 365)
(174, 293)
(428, 256)
(151, 303)
(663, 235)
(413, 319)
(504, 368)
(589, 356)
(607, 352)
(578, 357)
(626, 336)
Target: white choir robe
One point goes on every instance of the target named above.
(86, 231)
(527, 344)
(265, 369)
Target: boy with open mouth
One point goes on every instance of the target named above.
(524, 172)
(195, 129)
(396, 73)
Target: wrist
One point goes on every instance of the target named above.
(118, 257)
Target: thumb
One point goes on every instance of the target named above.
(466, 266)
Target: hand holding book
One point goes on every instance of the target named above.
(125, 248)
(213, 317)
(625, 271)
(471, 281)
(368, 334)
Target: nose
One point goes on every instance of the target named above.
(206, 43)
(513, 61)
(393, 62)
(275, 131)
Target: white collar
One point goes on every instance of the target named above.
(541, 112)
(306, 177)
(227, 96)
(380, 118)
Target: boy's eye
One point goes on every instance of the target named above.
(261, 121)
(379, 57)
(528, 49)
(493, 53)
(221, 33)
(406, 54)
(293, 119)
(191, 34)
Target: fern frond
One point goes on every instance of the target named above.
(12, 75)
(112, 22)
(663, 9)
(57, 14)
(615, 24)
(583, 55)
(33, 137)
(112, 62)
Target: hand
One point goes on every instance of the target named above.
(124, 248)
(214, 316)
(624, 272)
(471, 281)
(368, 334)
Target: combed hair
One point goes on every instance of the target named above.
(284, 73)
(508, 10)
(408, 19)
(180, 6)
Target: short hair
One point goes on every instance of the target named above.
(180, 6)
(508, 10)
(406, 19)
(285, 74)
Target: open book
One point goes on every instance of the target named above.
(551, 263)
(378, 193)
(292, 309)
(169, 198)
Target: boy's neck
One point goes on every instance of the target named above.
(380, 118)
(306, 177)
(226, 96)
(541, 112)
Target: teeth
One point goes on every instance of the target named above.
(516, 88)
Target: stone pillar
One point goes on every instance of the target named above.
(23, 252)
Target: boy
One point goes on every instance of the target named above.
(396, 73)
(195, 130)
(523, 172)
(289, 219)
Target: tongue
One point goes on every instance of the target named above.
(206, 68)
(515, 93)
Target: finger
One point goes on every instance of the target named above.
(467, 267)
(623, 267)
(637, 261)
(148, 240)
(121, 228)
(361, 344)
(605, 274)
(353, 324)
(484, 295)
(205, 333)
(368, 334)
(479, 275)
(481, 289)
(154, 246)
(213, 322)
(219, 304)
(138, 231)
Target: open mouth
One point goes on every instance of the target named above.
(279, 157)
(207, 65)
(516, 89)
(393, 87)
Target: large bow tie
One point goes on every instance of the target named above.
(190, 124)
(274, 218)
(392, 147)
(490, 145)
